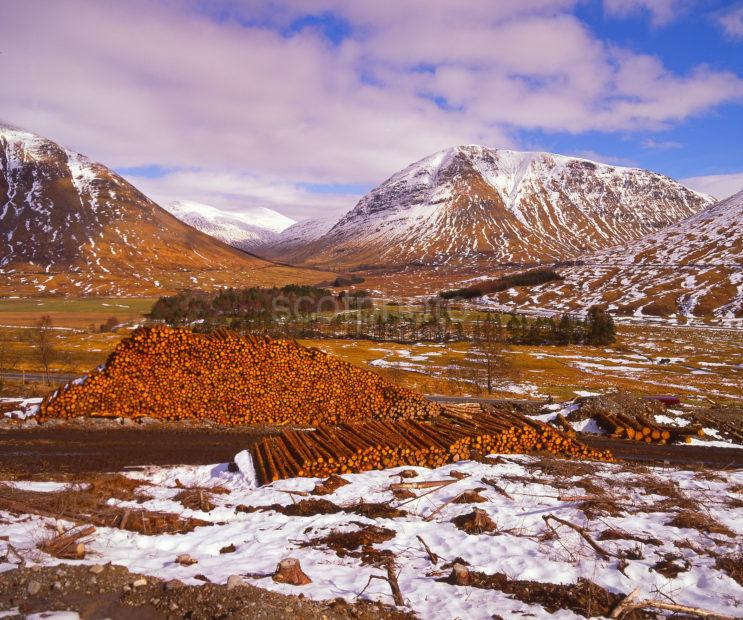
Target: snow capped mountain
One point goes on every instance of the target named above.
(298, 237)
(471, 203)
(691, 268)
(247, 230)
(70, 225)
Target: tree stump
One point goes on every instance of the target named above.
(476, 522)
(460, 575)
(289, 571)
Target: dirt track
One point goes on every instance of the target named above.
(73, 450)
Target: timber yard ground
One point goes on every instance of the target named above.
(44, 453)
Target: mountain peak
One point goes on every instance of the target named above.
(471, 202)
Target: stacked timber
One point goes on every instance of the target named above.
(638, 427)
(173, 374)
(450, 437)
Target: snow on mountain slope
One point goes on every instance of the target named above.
(72, 226)
(470, 203)
(297, 237)
(691, 268)
(247, 230)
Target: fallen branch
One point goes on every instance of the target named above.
(491, 483)
(394, 585)
(62, 546)
(11, 549)
(421, 485)
(598, 548)
(628, 603)
(583, 498)
(444, 505)
(422, 495)
(299, 493)
(391, 579)
(431, 555)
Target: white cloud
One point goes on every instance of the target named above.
(234, 192)
(651, 143)
(718, 185)
(732, 22)
(136, 83)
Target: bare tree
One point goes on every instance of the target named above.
(8, 362)
(492, 349)
(43, 345)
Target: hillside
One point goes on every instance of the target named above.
(248, 229)
(691, 268)
(293, 240)
(72, 226)
(470, 204)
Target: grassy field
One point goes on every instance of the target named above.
(72, 313)
(694, 362)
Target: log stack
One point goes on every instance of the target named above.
(638, 427)
(450, 437)
(173, 374)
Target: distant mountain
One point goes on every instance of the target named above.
(470, 203)
(295, 240)
(249, 229)
(691, 268)
(72, 226)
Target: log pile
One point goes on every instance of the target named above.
(450, 437)
(638, 427)
(173, 374)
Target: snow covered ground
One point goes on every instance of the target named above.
(645, 503)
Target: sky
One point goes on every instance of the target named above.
(304, 105)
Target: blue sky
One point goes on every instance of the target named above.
(303, 105)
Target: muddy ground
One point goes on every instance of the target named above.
(114, 592)
(43, 450)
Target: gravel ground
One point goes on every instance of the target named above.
(114, 592)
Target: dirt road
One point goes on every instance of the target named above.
(72, 450)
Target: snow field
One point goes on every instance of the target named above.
(264, 538)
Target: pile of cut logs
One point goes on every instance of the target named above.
(450, 437)
(173, 374)
(641, 428)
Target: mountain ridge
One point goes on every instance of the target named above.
(470, 203)
(73, 226)
(247, 230)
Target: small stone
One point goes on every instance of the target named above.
(173, 606)
(185, 560)
(33, 588)
(57, 585)
(139, 583)
(127, 588)
(96, 569)
(173, 584)
(233, 581)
